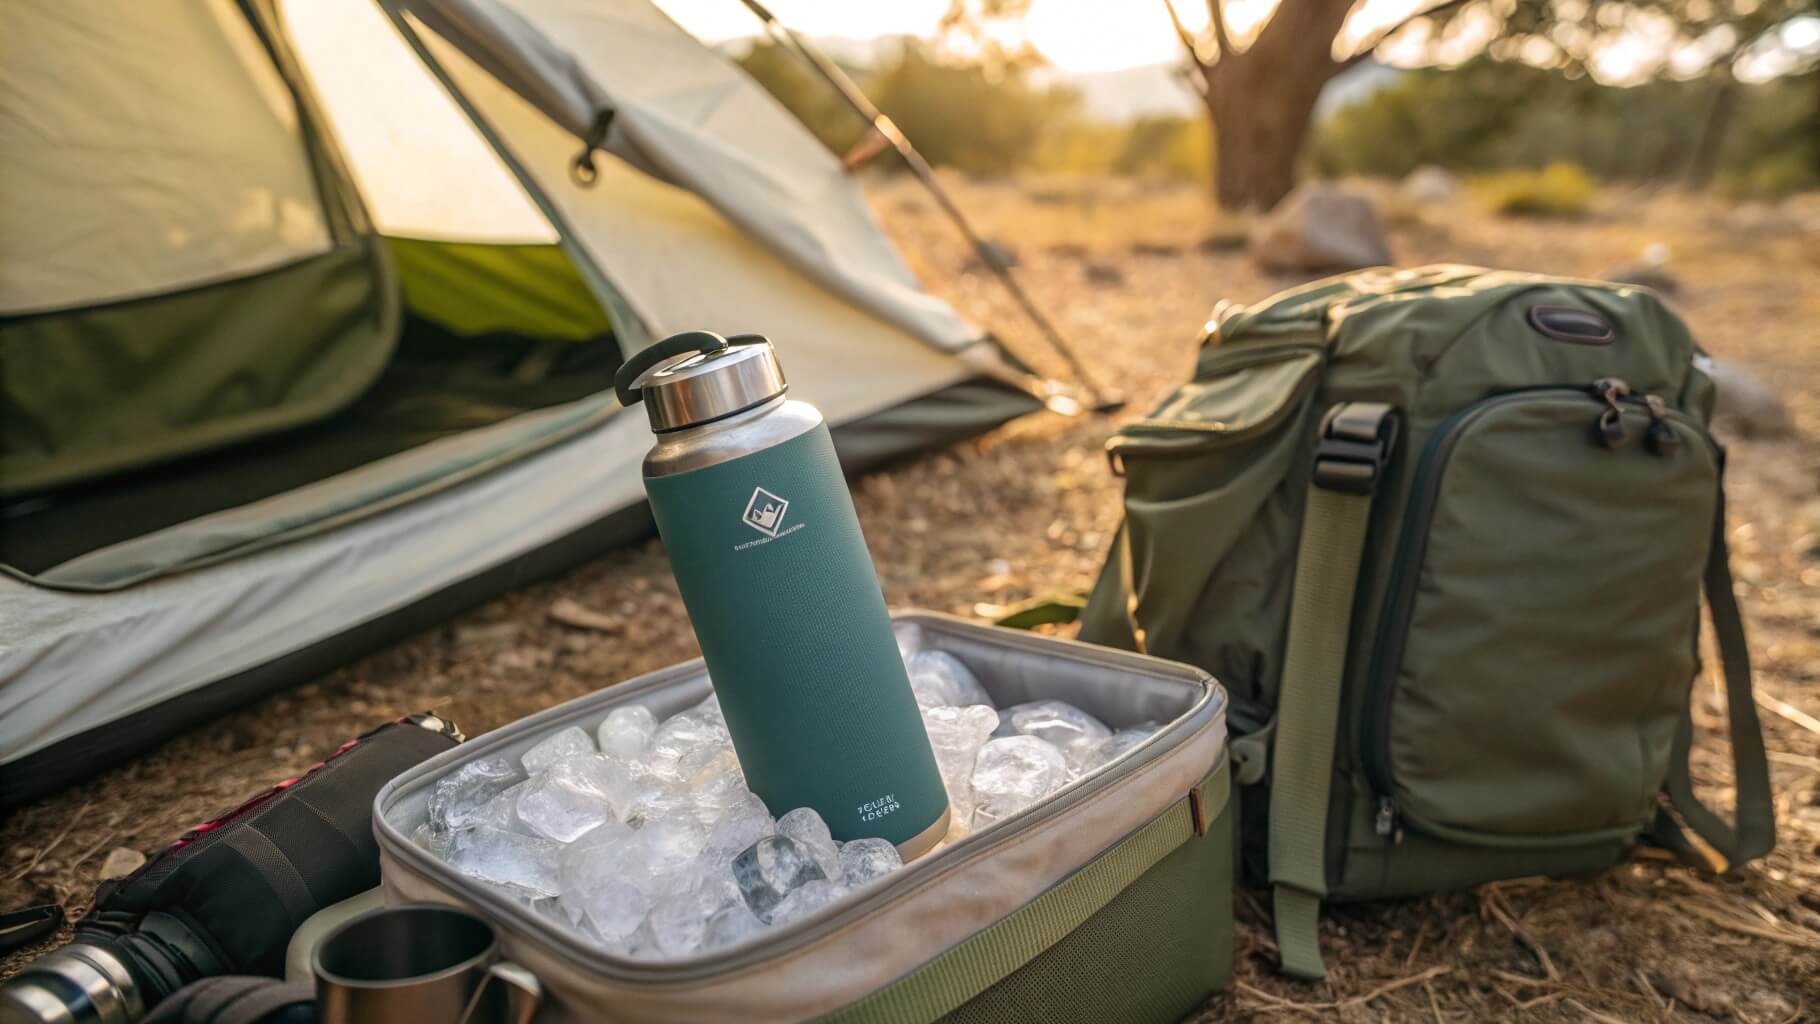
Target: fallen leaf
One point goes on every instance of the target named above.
(572, 613)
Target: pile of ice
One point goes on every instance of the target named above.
(644, 839)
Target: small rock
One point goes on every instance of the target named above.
(1646, 275)
(120, 863)
(1429, 184)
(1104, 273)
(1746, 403)
(1155, 249)
(1226, 240)
(1320, 228)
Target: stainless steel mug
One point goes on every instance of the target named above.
(420, 962)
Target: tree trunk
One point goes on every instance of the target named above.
(1261, 101)
(1258, 131)
(1710, 143)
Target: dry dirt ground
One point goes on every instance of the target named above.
(1130, 273)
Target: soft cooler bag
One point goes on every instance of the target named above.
(1109, 901)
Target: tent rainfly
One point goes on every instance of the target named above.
(309, 311)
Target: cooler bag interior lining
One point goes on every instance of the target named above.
(1004, 868)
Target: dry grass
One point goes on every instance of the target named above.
(1028, 509)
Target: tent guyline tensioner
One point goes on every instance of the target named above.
(884, 132)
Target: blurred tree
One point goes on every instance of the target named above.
(1629, 41)
(1260, 96)
(979, 118)
(989, 33)
(1487, 115)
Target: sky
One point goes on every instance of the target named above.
(1096, 35)
(1076, 35)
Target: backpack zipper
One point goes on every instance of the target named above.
(1393, 629)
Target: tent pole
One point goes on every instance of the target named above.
(989, 255)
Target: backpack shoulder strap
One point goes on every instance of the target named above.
(1755, 833)
(1356, 441)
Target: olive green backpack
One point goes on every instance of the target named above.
(1442, 535)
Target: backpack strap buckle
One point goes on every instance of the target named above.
(1356, 441)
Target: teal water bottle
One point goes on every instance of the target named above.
(755, 513)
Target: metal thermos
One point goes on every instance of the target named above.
(762, 536)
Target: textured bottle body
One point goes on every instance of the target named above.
(781, 591)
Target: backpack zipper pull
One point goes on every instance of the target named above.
(1661, 438)
(1612, 391)
(1386, 824)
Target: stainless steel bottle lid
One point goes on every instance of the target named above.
(698, 377)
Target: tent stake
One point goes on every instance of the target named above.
(989, 254)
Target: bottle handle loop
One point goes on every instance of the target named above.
(631, 373)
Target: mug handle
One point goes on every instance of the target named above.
(524, 993)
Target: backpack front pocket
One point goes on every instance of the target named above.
(1539, 634)
(1214, 464)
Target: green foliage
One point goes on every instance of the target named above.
(979, 118)
(963, 116)
(1558, 190)
(1771, 178)
(1179, 148)
(1486, 116)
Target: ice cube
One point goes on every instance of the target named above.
(956, 735)
(501, 812)
(679, 921)
(641, 944)
(941, 679)
(587, 863)
(662, 849)
(1012, 773)
(682, 734)
(1058, 722)
(661, 802)
(614, 907)
(436, 842)
(867, 860)
(559, 745)
(463, 793)
(769, 869)
(706, 762)
(744, 822)
(1101, 753)
(730, 924)
(571, 797)
(806, 899)
(507, 858)
(626, 732)
(811, 833)
(715, 794)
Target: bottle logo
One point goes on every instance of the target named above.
(765, 512)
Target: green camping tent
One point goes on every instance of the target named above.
(309, 312)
